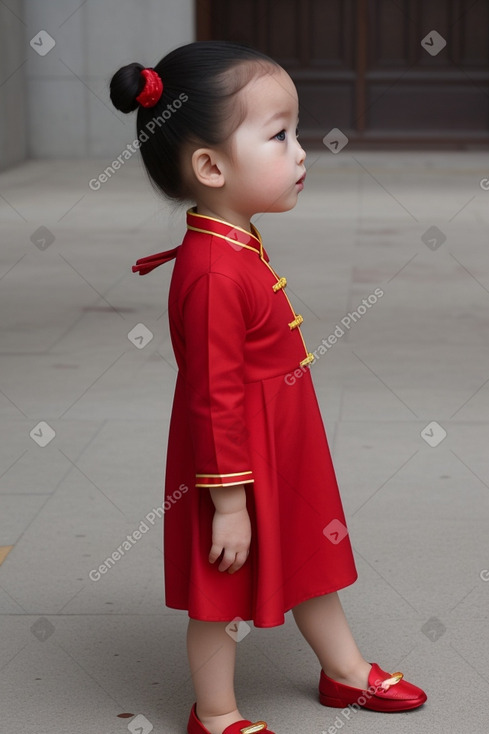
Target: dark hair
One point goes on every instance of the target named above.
(200, 80)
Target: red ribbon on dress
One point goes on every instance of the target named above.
(147, 264)
(152, 90)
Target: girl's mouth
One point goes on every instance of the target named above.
(300, 182)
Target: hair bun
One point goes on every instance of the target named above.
(125, 86)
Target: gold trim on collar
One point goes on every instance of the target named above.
(223, 221)
(254, 233)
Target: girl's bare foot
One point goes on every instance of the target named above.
(217, 724)
(357, 678)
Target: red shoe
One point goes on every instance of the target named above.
(385, 692)
(195, 726)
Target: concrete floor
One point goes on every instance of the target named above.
(84, 416)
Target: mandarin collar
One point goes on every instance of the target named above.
(236, 237)
(227, 231)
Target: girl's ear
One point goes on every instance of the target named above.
(206, 166)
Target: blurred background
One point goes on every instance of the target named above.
(360, 65)
(394, 108)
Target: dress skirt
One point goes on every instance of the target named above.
(299, 548)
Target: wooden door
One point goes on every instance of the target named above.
(385, 72)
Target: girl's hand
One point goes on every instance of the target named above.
(231, 533)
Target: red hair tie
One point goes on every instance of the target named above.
(152, 89)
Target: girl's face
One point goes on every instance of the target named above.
(265, 169)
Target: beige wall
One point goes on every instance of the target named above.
(56, 105)
(13, 56)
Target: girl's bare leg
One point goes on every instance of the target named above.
(212, 656)
(323, 623)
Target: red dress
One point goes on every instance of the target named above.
(245, 412)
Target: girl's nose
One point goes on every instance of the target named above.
(302, 153)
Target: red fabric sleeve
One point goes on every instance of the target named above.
(214, 319)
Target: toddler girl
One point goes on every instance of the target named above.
(261, 529)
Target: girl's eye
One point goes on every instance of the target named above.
(280, 136)
(297, 132)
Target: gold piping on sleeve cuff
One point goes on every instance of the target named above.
(233, 474)
(224, 480)
(226, 484)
